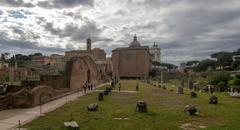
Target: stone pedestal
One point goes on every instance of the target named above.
(193, 94)
(190, 109)
(213, 100)
(190, 84)
(93, 107)
(179, 90)
(141, 106)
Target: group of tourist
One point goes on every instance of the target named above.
(87, 86)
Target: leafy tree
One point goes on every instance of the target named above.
(169, 66)
(21, 59)
(4, 56)
(205, 64)
(220, 79)
(156, 63)
(224, 59)
(61, 72)
(7, 78)
(215, 55)
(35, 54)
(192, 62)
(236, 64)
(235, 81)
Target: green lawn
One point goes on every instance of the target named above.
(165, 111)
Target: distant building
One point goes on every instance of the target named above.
(235, 58)
(3, 65)
(23, 73)
(133, 61)
(189, 66)
(97, 54)
(155, 52)
(40, 60)
(4, 75)
(58, 61)
(109, 68)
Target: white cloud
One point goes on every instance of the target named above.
(185, 29)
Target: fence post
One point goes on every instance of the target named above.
(19, 124)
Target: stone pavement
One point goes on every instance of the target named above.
(9, 118)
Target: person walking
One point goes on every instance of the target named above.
(85, 88)
(119, 87)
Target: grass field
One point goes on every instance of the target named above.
(165, 111)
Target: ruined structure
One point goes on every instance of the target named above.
(155, 52)
(29, 97)
(97, 54)
(79, 70)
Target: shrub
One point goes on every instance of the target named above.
(235, 81)
(219, 79)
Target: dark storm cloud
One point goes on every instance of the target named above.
(72, 3)
(18, 31)
(45, 4)
(78, 33)
(189, 24)
(26, 45)
(65, 3)
(120, 12)
(184, 29)
(17, 3)
(196, 29)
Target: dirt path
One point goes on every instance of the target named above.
(9, 118)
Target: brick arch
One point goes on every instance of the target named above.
(78, 72)
(20, 99)
(46, 92)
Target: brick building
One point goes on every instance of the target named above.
(97, 54)
(132, 61)
(41, 60)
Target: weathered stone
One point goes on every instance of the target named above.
(93, 107)
(196, 87)
(141, 106)
(190, 109)
(182, 83)
(100, 96)
(180, 90)
(76, 77)
(190, 84)
(213, 100)
(193, 94)
(164, 87)
(71, 125)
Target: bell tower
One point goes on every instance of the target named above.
(89, 44)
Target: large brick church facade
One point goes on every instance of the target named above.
(131, 62)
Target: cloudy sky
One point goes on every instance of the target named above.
(184, 29)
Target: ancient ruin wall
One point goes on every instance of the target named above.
(79, 72)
